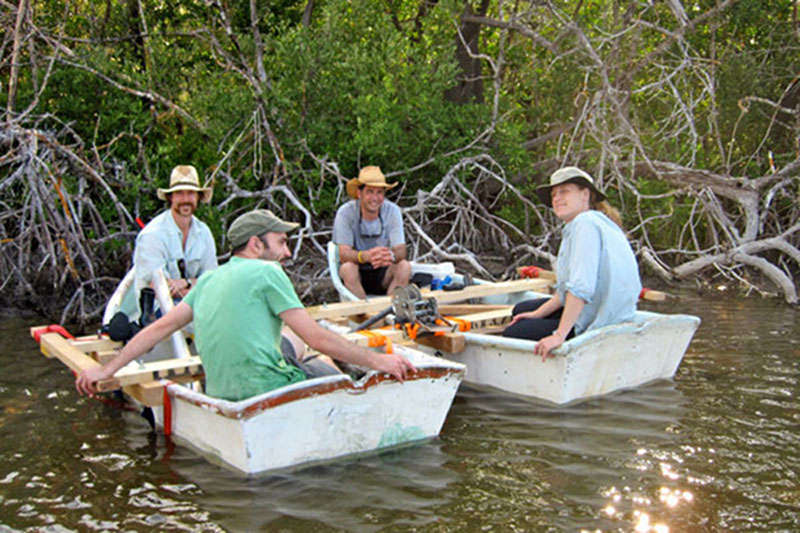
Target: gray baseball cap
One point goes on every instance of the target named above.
(257, 222)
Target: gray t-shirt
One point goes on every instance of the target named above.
(353, 230)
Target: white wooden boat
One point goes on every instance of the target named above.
(599, 362)
(317, 420)
(305, 423)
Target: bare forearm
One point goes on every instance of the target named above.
(337, 347)
(348, 254)
(549, 307)
(572, 309)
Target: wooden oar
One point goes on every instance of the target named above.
(536, 272)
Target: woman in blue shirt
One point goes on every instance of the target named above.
(598, 277)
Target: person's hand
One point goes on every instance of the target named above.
(380, 256)
(547, 344)
(86, 382)
(178, 288)
(520, 316)
(395, 365)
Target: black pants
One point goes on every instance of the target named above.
(534, 329)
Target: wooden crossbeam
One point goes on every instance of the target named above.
(54, 345)
(94, 343)
(467, 309)
(442, 297)
(449, 342)
(132, 374)
(647, 294)
(151, 393)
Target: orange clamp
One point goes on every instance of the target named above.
(376, 340)
(52, 328)
(412, 330)
(463, 325)
(530, 272)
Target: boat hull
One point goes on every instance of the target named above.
(317, 420)
(598, 362)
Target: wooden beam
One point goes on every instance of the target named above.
(467, 309)
(647, 294)
(449, 342)
(165, 369)
(105, 356)
(151, 393)
(442, 297)
(95, 344)
(54, 345)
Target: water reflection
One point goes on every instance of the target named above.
(363, 494)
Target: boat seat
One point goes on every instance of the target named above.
(345, 294)
(435, 270)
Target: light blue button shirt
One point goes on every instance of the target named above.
(596, 264)
(160, 245)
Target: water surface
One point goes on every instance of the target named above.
(715, 449)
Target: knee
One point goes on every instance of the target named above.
(349, 272)
(403, 269)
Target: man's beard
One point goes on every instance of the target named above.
(191, 206)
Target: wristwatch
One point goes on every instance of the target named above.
(188, 283)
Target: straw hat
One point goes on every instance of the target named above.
(371, 176)
(184, 178)
(568, 175)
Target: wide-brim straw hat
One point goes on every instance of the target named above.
(371, 176)
(568, 175)
(184, 178)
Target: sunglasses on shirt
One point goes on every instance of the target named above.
(367, 234)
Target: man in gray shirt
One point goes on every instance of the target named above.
(369, 233)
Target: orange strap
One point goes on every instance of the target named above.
(530, 272)
(376, 340)
(412, 330)
(52, 328)
(463, 325)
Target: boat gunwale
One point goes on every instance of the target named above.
(255, 405)
(643, 320)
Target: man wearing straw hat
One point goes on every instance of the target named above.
(239, 311)
(369, 233)
(176, 241)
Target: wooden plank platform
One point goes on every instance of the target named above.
(375, 305)
(132, 374)
(143, 381)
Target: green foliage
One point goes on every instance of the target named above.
(360, 91)
(365, 83)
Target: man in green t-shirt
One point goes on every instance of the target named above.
(239, 310)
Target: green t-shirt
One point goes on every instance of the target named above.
(238, 330)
